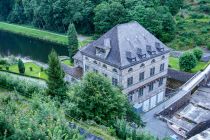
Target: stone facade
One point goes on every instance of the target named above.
(143, 80)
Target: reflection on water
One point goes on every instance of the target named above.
(12, 44)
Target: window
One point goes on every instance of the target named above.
(152, 71)
(95, 62)
(130, 81)
(114, 70)
(86, 58)
(95, 70)
(140, 92)
(163, 57)
(162, 67)
(130, 96)
(105, 74)
(160, 82)
(86, 68)
(130, 70)
(142, 65)
(153, 61)
(141, 76)
(114, 81)
(151, 86)
(104, 66)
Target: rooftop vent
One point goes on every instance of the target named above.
(149, 50)
(159, 47)
(140, 53)
(130, 56)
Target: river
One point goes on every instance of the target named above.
(17, 45)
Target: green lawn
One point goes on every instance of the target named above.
(174, 63)
(67, 62)
(36, 70)
(40, 34)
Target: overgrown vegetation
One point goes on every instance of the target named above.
(192, 25)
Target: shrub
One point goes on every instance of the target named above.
(187, 61)
(21, 66)
(41, 69)
(3, 62)
(31, 69)
(198, 53)
(7, 68)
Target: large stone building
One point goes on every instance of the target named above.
(132, 58)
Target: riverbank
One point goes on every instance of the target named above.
(40, 34)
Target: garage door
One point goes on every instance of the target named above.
(146, 105)
(153, 101)
(160, 97)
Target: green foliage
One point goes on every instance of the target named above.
(208, 46)
(56, 84)
(72, 40)
(187, 61)
(107, 15)
(198, 53)
(37, 119)
(94, 98)
(24, 87)
(21, 66)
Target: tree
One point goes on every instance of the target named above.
(72, 40)
(198, 53)
(187, 61)
(108, 15)
(96, 99)
(56, 84)
(21, 66)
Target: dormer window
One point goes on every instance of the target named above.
(140, 53)
(149, 50)
(159, 47)
(103, 49)
(130, 56)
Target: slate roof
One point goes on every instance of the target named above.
(75, 72)
(123, 38)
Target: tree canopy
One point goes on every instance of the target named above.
(93, 16)
(187, 61)
(96, 99)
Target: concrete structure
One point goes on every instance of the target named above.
(205, 135)
(132, 58)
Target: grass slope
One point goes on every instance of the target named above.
(193, 25)
(39, 34)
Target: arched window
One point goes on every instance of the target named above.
(142, 65)
(153, 61)
(130, 70)
(95, 62)
(104, 66)
(114, 70)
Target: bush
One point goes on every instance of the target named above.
(3, 62)
(7, 68)
(21, 66)
(198, 53)
(187, 61)
(31, 69)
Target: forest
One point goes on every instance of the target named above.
(93, 16)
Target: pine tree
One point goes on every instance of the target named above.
(56, 84)
(72, 40)
(21, 66)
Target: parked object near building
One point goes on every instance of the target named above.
(131, 58)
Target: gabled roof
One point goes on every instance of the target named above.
(124, 38)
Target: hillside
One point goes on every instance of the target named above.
(193, 25)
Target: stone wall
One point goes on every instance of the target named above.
(179, 75)
(168, 112)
